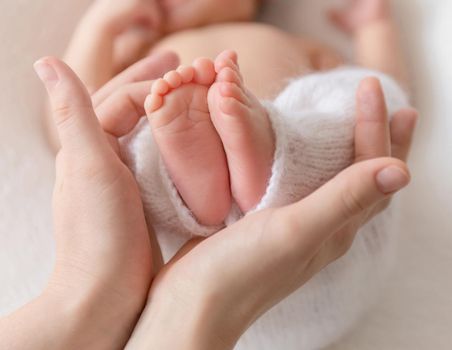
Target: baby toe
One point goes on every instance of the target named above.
(234, 91)
(227, 63)
(187, 73)
(229, 75)
(160, 87)
(225, 57)
(152, 103)
(231, 106)
(173, 79)
(204, 71)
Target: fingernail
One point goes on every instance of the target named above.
(45, 72)
(392, 179)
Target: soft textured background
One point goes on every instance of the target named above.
(415, 311)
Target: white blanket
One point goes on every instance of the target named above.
(416, 310)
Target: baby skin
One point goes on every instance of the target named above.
(214, 136)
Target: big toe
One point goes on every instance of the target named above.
(226, 58)
(204, 71)
(227, 68)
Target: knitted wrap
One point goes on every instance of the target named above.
(313, 120)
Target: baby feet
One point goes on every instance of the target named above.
(188, 142)
(214, 136)
(245, 130)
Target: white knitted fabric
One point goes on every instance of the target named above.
(313, 120)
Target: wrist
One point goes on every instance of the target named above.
(83, 312)
(192, 321)
(48, 322)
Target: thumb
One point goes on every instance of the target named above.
(349, 194)
(71, 107)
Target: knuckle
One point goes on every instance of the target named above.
(66, 114)
(63, 114)
(352, 204)
(123, 95)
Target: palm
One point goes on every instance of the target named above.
(100, 227)
(110, 239)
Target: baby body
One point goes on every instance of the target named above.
(267, 65)
(221, 141)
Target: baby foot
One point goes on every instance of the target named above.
(245, 130)
(359, 13)
(188, 142)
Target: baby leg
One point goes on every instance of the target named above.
(245, 130)
(188, 142)
(376, 37)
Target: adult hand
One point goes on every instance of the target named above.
(197, 289)
(214, 289)
(103, 265)
(103, 246)
(208, 293)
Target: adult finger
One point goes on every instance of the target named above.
(149, 68)
(120, 112)
(372, 137)
(345, 197)
(76, 123)
(284, 247)
(402, 128)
